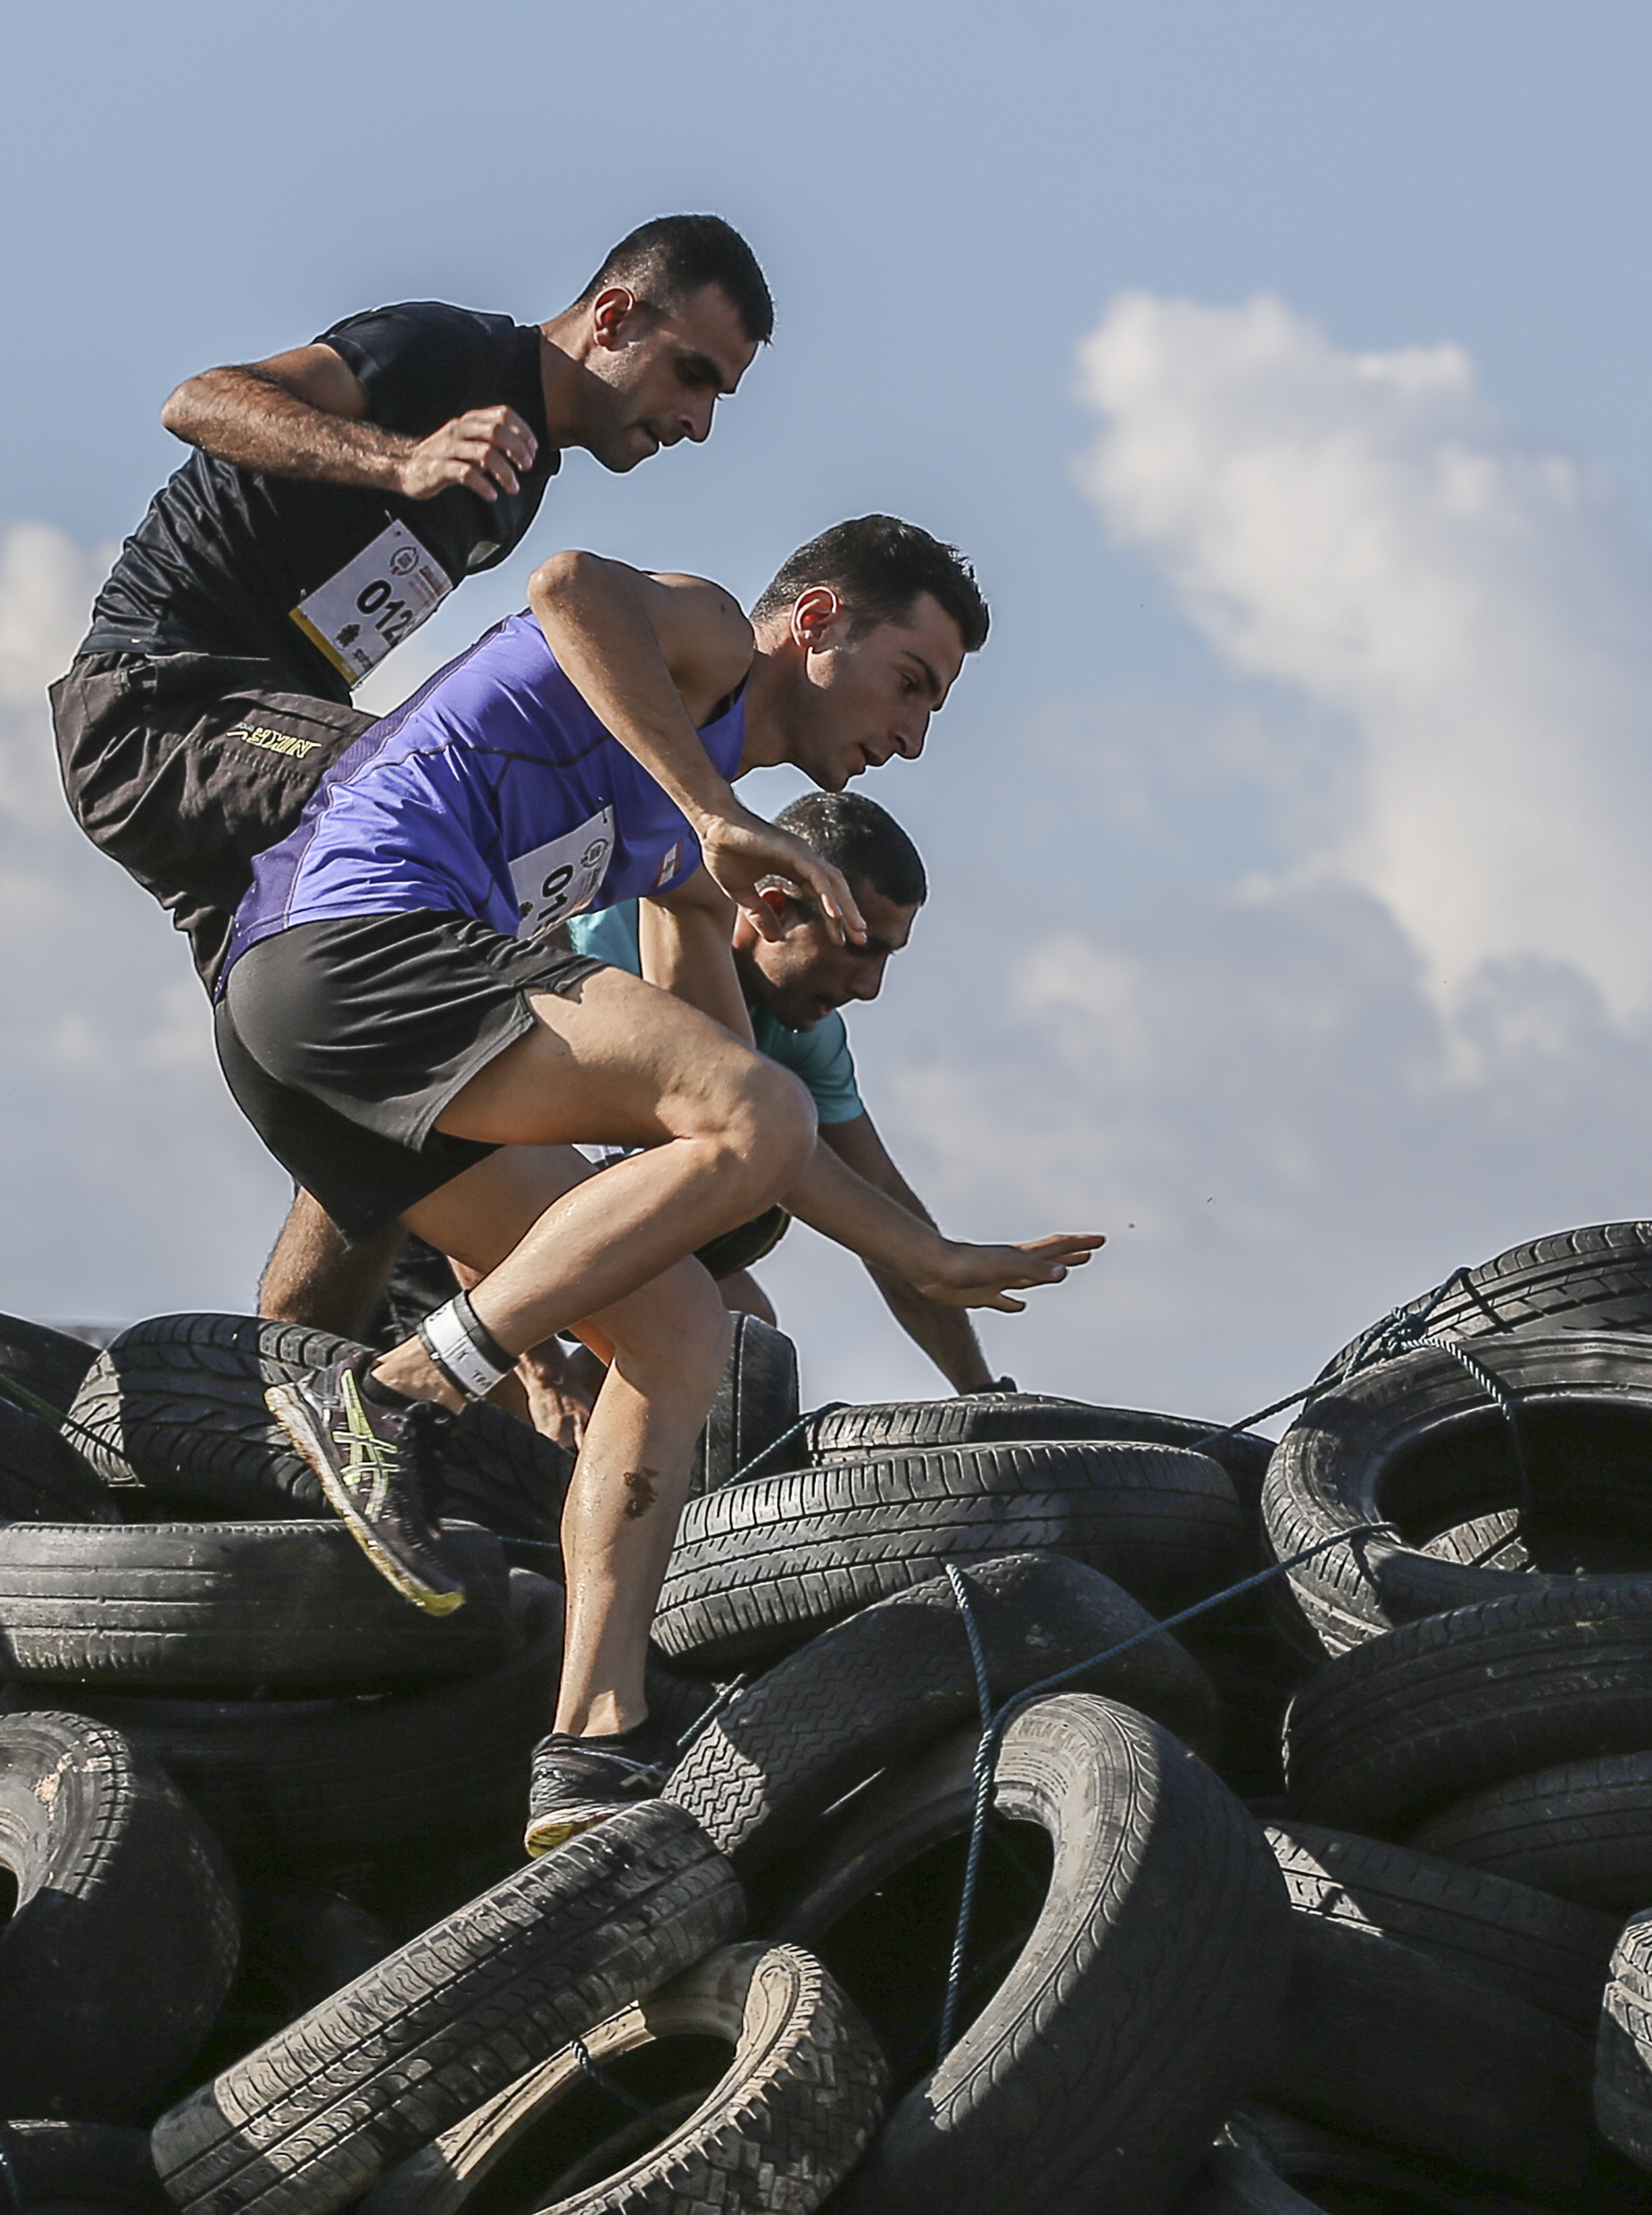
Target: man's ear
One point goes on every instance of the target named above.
(612, 313)
(813, 614)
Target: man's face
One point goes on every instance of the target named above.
(861, 701)
(801, 976)
(662, 373)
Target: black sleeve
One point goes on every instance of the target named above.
(421, 364)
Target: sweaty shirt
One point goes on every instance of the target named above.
(324, 579)
(820, 1057)
(494, 792)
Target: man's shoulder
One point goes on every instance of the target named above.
(428, 316)
(427, 358)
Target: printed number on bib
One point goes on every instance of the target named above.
(372, 603)
(562, 877)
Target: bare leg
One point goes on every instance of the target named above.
(743, 1295)
(313, 1278)
(669, 1341)
(557, 1247)
(724, 1129)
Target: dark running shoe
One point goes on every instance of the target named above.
(371, 1461)
(579, 1781)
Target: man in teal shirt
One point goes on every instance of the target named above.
(794, 986)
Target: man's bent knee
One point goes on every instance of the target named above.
(769, 1127)
(677, 1322)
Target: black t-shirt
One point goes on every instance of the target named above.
(225, 556)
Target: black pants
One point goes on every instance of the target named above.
(182, 767)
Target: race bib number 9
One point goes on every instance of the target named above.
(372, 603)
(562, 877)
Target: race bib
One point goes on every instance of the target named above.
(372, 603)
(562, 877)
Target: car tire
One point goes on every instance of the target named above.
(760, 1567)
(308, 2121)
(284, 1605)
(1380, 2040)
(855, 1433)
(325, 1783)
(174, 1409)
(48, 1363)
(1588, 1280)
(1623, 2060)
(1581, 1830)
(876, 1689)
(1129, 2022)
(782, 2124)
(1547, 1951)
(1396, 1728)
(1417, 1447)
(756, 1405)
(122, 1944)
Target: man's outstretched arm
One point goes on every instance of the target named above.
(940, 1277)
(304, 414)
(945, 1334)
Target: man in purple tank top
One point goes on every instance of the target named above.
(404, 1023)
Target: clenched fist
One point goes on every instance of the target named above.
(482, 450)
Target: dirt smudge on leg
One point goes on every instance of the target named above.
(642, 1490)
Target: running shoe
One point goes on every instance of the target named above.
(579, 1781)
(373, 1463)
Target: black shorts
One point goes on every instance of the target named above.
(182, 767)
(343, 1041)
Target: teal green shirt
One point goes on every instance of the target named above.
(820, 1057)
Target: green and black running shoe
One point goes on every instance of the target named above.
(373, 1463)
(579, 1781)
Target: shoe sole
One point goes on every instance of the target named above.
(290, 1411)
(545, 1833)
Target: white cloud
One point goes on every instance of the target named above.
(1376, 1000)
(1368, 527)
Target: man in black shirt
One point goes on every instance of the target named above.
(338, 494)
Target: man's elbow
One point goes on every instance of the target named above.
(560, 574)
(181, 414)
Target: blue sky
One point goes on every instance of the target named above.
(948, 202)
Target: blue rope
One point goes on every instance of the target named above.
(1496, 1391)
(985, 1748)
(827, 1408)
(1400, 1330)
(600, 2078)
(8, 2171)
(995, 1722)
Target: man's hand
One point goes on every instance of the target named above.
(740, 851)
(483, 450)
(984, 1276)
(561, 1388)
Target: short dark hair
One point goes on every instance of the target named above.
(857, 835)
(664, 262)
(880, 565)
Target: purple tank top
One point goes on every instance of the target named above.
(494, 792)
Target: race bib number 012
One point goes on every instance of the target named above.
(562, 877)
(372, 603)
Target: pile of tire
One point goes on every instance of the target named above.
(1335, 1897)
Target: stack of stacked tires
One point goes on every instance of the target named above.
(1466, 1820)
(1326, 1899)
